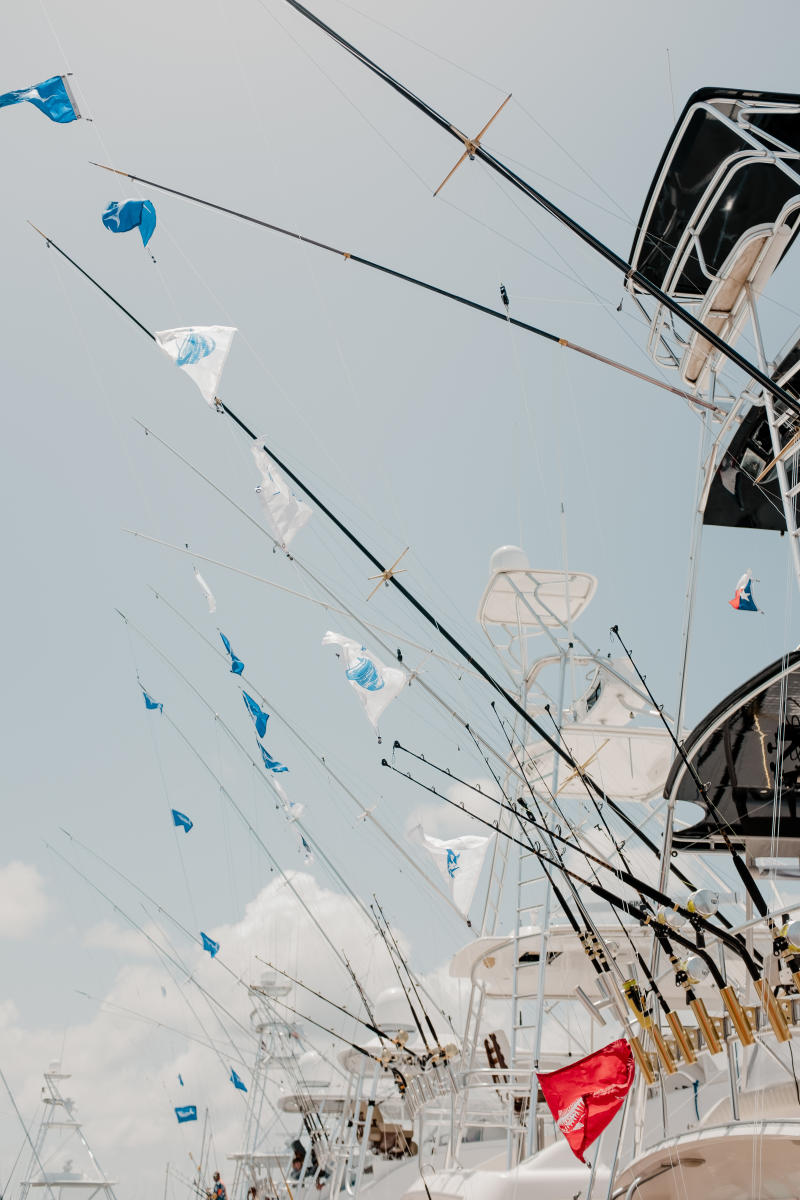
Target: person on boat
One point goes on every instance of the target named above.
(219, 1191)
(298, 1158)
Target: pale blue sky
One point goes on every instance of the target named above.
(422, 424)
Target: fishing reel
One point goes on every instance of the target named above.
(703, 903)
(400, 1081)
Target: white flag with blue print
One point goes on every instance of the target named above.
(285, 514)
(201, 352)
(375, 684)
(459, 861)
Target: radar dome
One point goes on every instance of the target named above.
(392, 1014)
(509, 558)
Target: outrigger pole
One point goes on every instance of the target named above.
(348, 256)
(390, 577)
(631, 274)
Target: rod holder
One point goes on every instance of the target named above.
(635, 1003)
(706, 1025)
(796, 978)
(681, 1037)
(738, 1016)
(773, 1010)
(664, 1052)
(641, 1059)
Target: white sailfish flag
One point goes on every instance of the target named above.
(201, 352)
(285, 514)
(206, 590)
(459, 862)
(375, 684)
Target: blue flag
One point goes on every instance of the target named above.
(260, 718)
(123, 215)
(180, 1080)
(51, 97)
(209, 944)
(271, 763)
(180, 819)
(187, 1113)
(149, 702)
(236, 1081)
(237, 666)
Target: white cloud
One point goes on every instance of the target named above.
(108, 936)
(23, 903)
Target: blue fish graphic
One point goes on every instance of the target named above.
(194, 347)
(364, 673)
(452, 862)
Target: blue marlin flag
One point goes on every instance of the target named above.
(271, 763)
(123, 215)
(260, 718)
(149, 702)
(237, 1082)
(237, 666)
(52, 97)
(188, 1112)
(181, 820)
(209, 944)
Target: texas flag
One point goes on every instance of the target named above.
(743, 599)
(585, 1096)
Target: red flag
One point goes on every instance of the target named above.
(585, 1096)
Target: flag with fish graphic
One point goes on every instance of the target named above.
(201, 352)
(285, 514)
(53, 97)
(375, 684)
(459, 861)
(585, 1096)
(121, 216)
(743, 597)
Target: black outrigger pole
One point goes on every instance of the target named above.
(477, 151)
(386, 573)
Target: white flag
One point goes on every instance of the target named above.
(375, 684)
(459, 862)
(291, 809)
(285, 514)
(200, 352)
(206, 590)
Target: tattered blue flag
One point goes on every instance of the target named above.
(308, 853)
(149, 702)
(271, 763)
(180, 819)
(123, 215)
(180, 1080)
(52, 97)
(209, 944)
(236, 1081)
(237, 666)
(260, 718)
(188, 1112)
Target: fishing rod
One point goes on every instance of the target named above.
(398, 1042)
(408, 972)
(386, 573)
(645, 918)
(781, 946)
(475, 149)
(399, 1078)
(401, 981)
(349, 256)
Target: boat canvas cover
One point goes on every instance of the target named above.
(747, 753)
(753, 195)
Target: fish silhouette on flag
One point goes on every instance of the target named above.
(53, 97)
(585, 1096)
(201, 352)
(187, 1112)
(270, 763)
(237, 666)
(123, 215)
(260, 718)
(458, 860)
(743, 597)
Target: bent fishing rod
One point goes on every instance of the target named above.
(385, 572)
(632, 275)
(349, 256)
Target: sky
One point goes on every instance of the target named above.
(421, 424)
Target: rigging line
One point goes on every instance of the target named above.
(401, 981)
(409, 596)
(319, 759)
(340, 612)
(632, 275)
(407, 969)
(430, 287)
